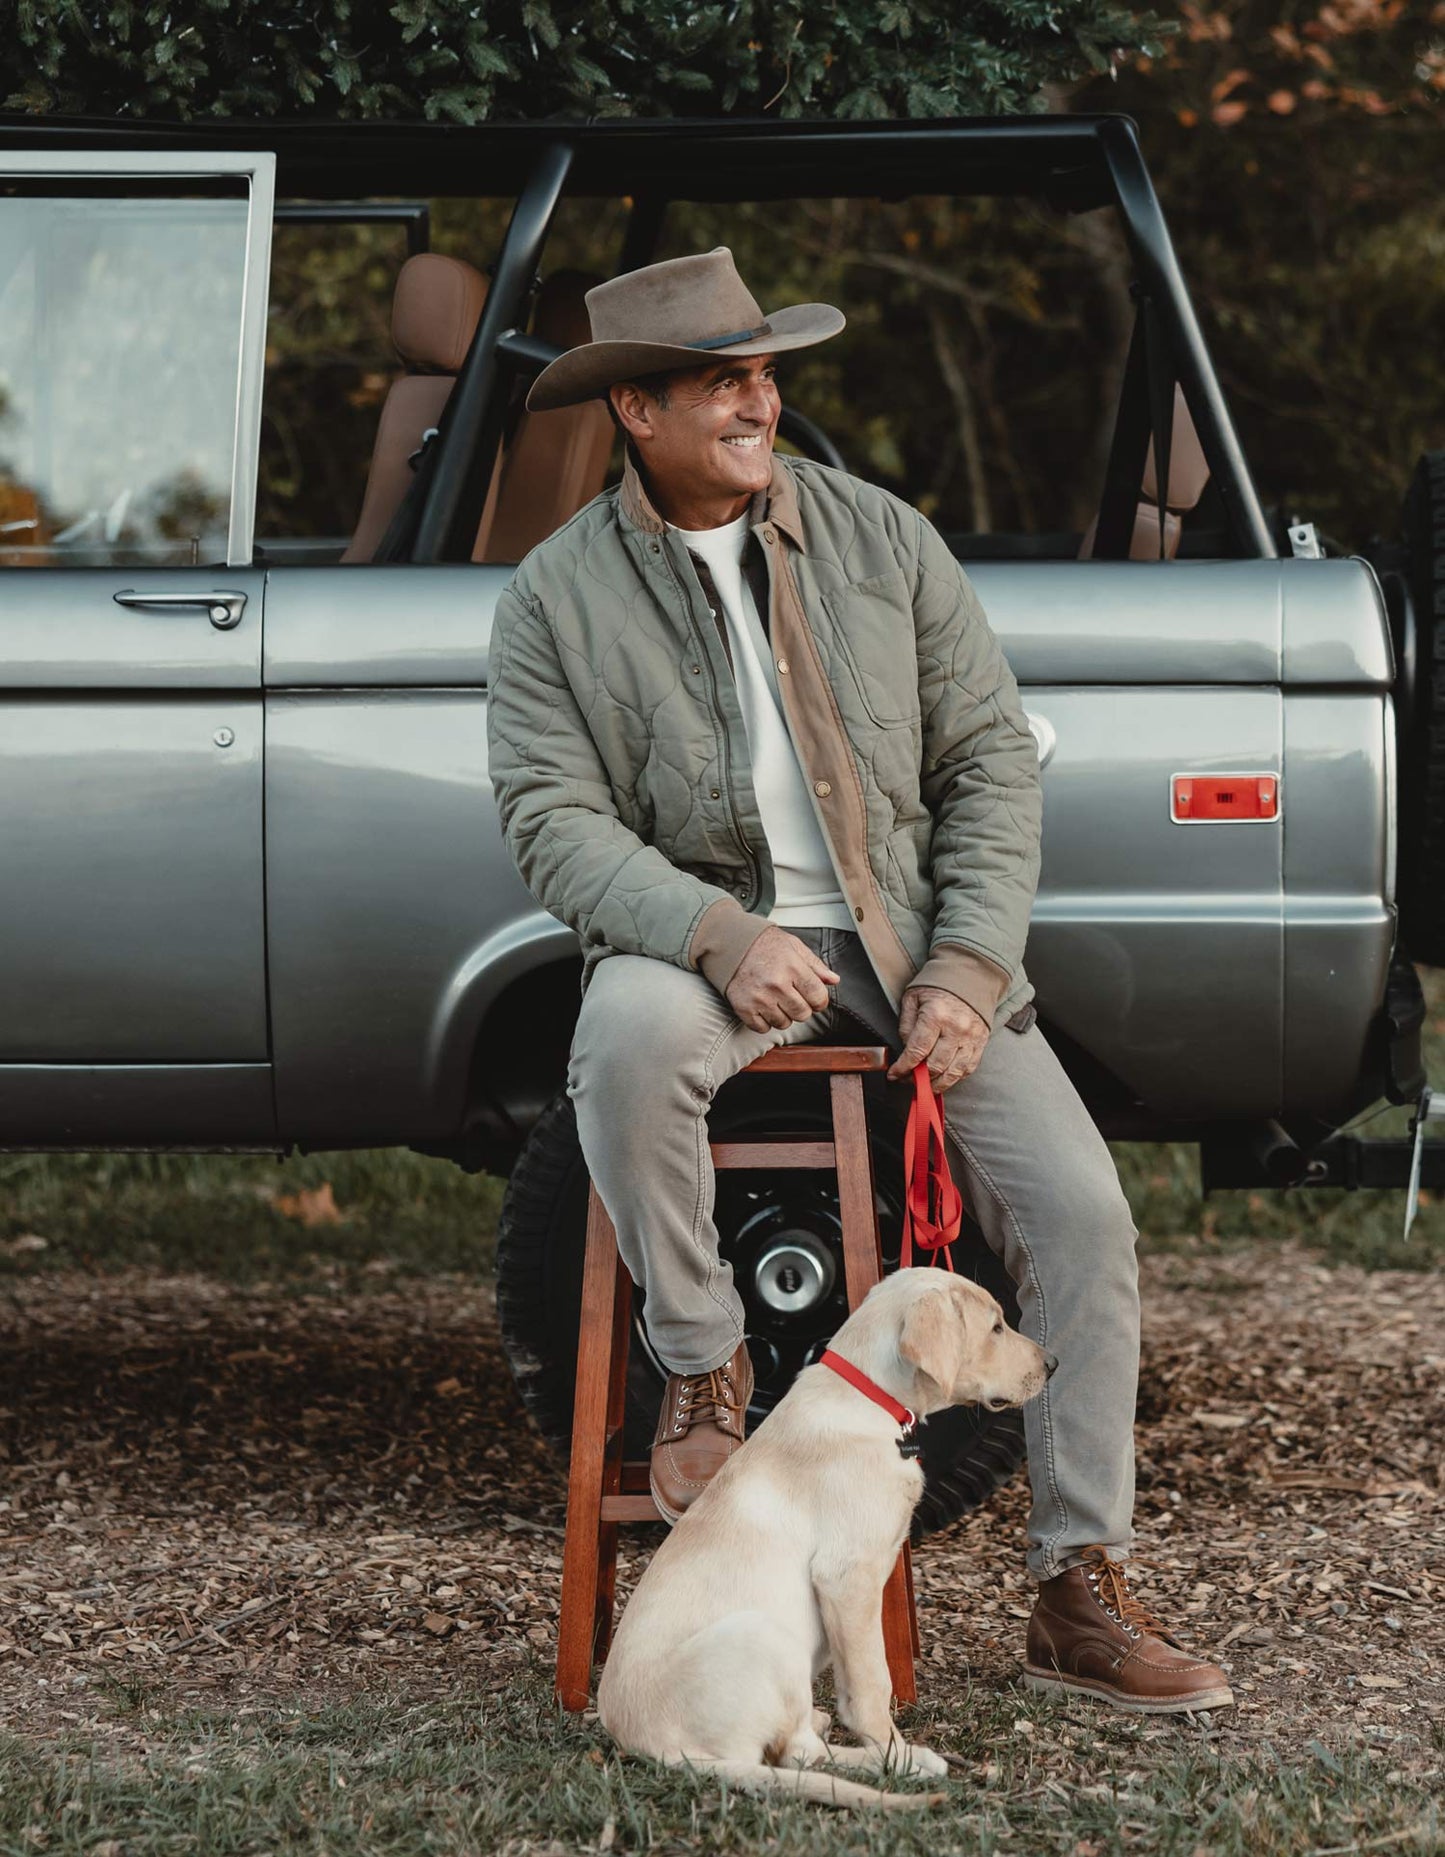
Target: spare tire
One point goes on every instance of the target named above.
(761, 1217)
(1421, 719)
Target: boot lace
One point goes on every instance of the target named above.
(1110, 1586)
(704, 1395)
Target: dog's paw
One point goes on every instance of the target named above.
(917, 1759)
(822, 1722)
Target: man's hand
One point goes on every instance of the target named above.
(778, 980)
(939, 1028)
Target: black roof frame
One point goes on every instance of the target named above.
(1073, 162)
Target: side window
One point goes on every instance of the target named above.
(122, 364)
(330, 361)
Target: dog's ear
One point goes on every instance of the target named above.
(933, 1340)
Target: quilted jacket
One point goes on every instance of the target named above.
(620, 763)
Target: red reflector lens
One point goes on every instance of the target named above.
(1224, 796)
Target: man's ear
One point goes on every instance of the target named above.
(933, 1340)
(632, 408)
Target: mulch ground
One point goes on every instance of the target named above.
(238, 1497)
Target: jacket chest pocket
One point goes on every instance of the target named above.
(873, 635)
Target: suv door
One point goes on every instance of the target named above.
(132, 952)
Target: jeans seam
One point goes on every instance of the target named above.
(1046, 1547)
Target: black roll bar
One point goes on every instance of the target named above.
(413, 215)
(1158, 271)
(467, 445)
(472, 426)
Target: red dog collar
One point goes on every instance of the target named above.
(896, 1410)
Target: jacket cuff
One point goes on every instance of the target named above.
(977, 981)
(722, 937)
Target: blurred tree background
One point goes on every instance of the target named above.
(1296, 149)
(1298, 152)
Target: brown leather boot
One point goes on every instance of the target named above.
(698, 1429)
(1089, 1633)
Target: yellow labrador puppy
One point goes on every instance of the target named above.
(777, 1570)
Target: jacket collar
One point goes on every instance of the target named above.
(777, 504)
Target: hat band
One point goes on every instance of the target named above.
(738, 335)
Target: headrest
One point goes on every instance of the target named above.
(435, 311)
(1188, 473)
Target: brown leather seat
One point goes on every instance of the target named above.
(434, 314)
(554, 462)
(1188, 474)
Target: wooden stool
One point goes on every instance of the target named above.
(602, 1490)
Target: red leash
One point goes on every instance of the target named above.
(932, 1204)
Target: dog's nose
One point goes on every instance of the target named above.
(1051, 1362)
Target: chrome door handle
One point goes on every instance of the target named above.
(225, 609)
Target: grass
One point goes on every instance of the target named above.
(244, 1218)
(502, 1772)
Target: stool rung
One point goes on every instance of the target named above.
(630, 1509)
(831, 1059)
(784, 1153)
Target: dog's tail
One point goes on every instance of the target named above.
(814, 1783)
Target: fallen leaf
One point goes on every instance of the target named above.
(312, 1205)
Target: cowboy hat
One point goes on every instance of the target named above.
(682, 313)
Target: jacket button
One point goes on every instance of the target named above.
(822, 788)
(696, 669)
(783, 665)
(714, 793)
(769, 537)
(859, 912)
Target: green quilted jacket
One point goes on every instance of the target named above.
(620, 763)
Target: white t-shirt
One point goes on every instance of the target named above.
(806, 885)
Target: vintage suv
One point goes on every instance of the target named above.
(256, 897)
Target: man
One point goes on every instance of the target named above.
(752, 738)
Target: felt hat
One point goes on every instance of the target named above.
(682, 313)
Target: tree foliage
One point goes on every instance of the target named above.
(1296, 150)
(460, 61)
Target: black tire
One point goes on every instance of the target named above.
(1421, 882)
(967, 1452)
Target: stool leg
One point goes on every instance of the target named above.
(862, 1268)
(612, 1461)
(900, 1627)
(596, 1343)
(858, 1212)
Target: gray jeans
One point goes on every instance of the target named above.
(652, 1045)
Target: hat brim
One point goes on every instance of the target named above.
(584, 373)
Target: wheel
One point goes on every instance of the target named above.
(1422, 727)
(781, 1233)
